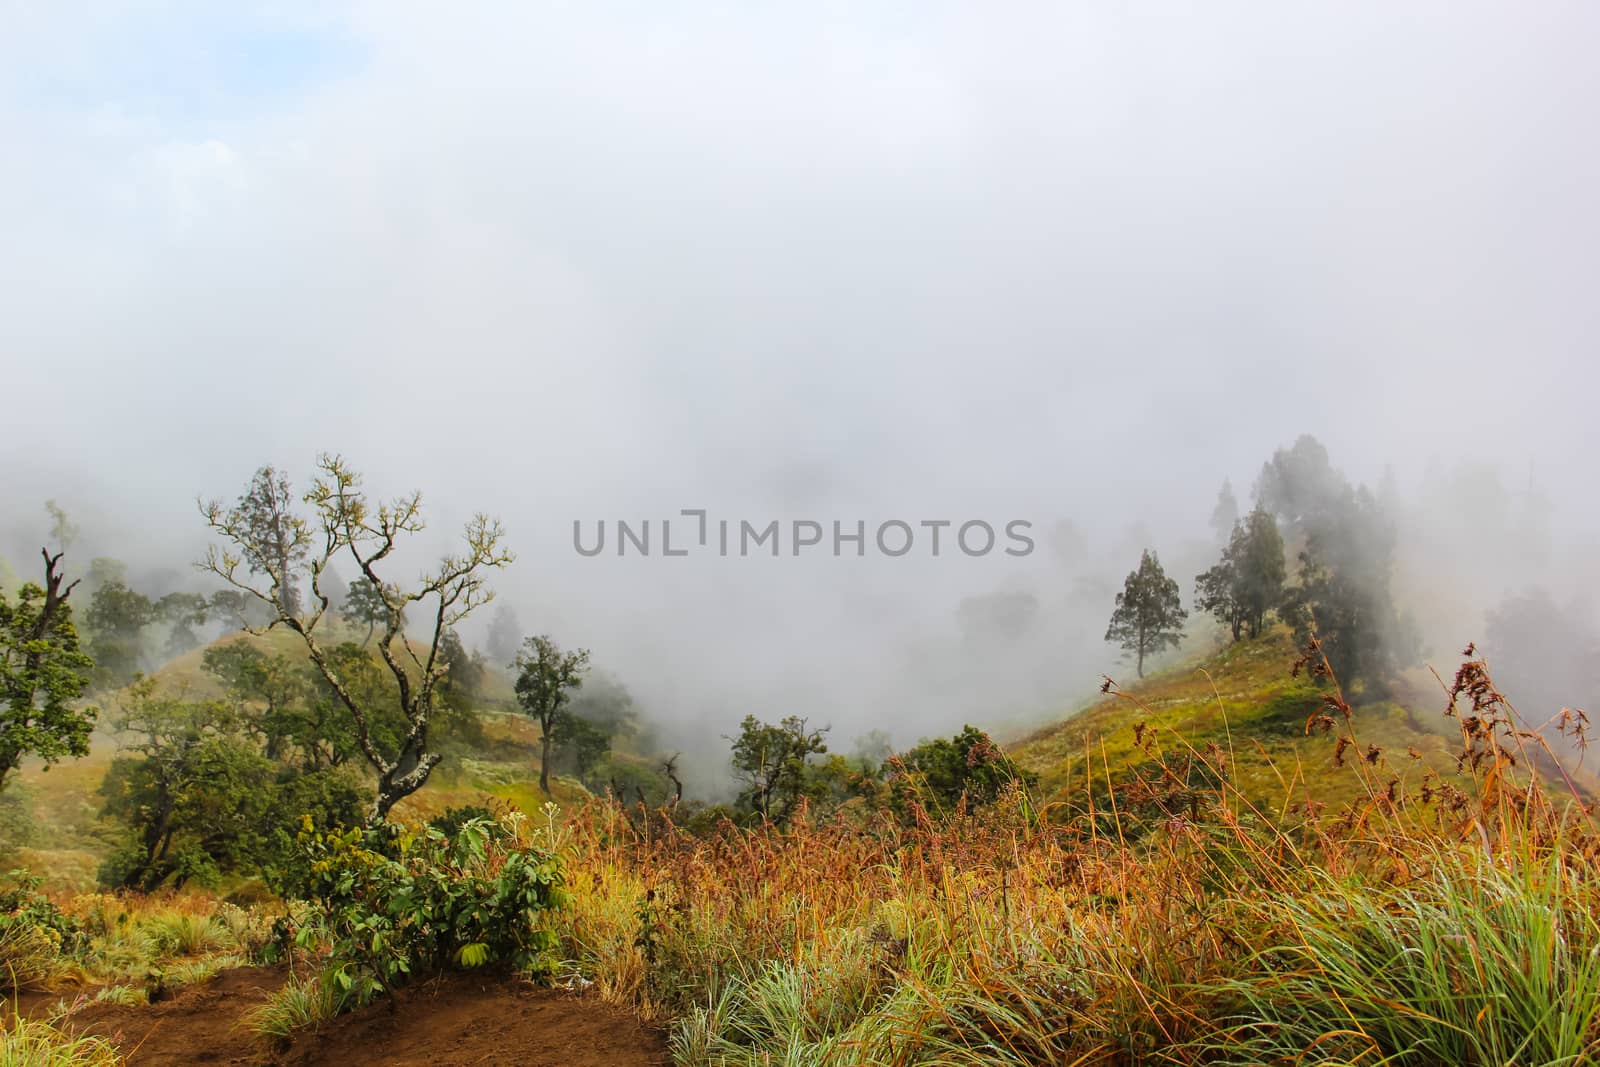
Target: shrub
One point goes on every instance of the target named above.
(182, 933)
(389, 903)
(36, 937)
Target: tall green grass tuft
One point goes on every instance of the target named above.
(301, 1004)
(1480, 962)
(35, 1043)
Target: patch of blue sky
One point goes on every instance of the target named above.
(187, 66)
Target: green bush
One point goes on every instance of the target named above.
(389, 903)
(21, 904)
(37, 939)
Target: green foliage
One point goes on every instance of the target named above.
(276, 542)
(1476, 965)
(584, 742)
(389, 904)
(18, 827)
(182, 612)
(198, 793)
(1300, 486)
(1247, 584)
(365, 604)
(456, 719)
(771, 762)
(191, 789)
(942, 773)
(1343, 593)
(326, 722)
(35, 934)
(546, 679)
(264, 537)
(43, 673)
(1148, 617)
(583, 733)
(336, 796)
(117, 619)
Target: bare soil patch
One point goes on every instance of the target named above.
(450, 1020)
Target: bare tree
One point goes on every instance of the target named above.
(344, 522)
(669, 767)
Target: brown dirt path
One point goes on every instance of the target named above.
(456, 1019)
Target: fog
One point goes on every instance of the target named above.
(1055, 263)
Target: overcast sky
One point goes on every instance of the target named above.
(558, 261)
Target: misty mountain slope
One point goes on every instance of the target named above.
(1246, 700)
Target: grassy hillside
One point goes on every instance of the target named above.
(1245, 700)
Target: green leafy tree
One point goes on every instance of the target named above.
(585, 743)
(272, 538)
(460, 691)
(117, 619)
(366, 603)
(329, 735)
(1343, 596)
(1149, 616)
(1343, 592)
(771, 762)
(263, 689)
(43, 673)
(191, 789)
(1247, 584)
(1300, 486)
(288, 706)
(182, 612)
(546, 679)
(346, 524)
(586, 731)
